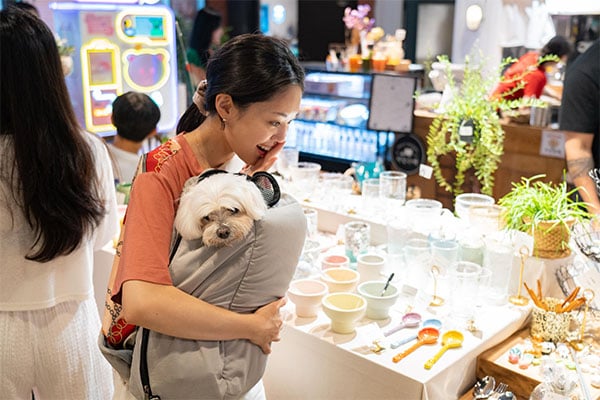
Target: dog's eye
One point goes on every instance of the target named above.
(234, 210)
(206, 219)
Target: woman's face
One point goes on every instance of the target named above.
(255, 130)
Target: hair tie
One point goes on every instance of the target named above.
(199, 97)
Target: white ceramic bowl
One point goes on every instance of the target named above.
(378, 306)
(340, 279)
(307, 295)
(344, 309)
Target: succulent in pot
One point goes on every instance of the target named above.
(546, 211)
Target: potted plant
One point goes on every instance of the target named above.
(468, 131)
(546, 211)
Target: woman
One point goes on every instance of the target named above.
(526, 78)
(252, 94)
(205, 39)
(57, 205)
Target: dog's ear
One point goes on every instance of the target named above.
(186, 222)
(268, 186)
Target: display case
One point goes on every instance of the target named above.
(336, 125)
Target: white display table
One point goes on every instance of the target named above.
(312, 362)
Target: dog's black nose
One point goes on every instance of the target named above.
(223, 232)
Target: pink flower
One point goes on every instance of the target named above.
(357, 19)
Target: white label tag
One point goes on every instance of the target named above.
(425, 171)
(553, 144)
(465, 130)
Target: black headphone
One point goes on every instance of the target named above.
(264, 181)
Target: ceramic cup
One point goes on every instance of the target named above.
(307, 295)
(378, 301)
(371, 267)
(335, 261)
(340, 279)
(344, 309)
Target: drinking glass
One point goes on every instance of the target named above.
(392, 186)
(418, 259)
(305, 178)
(498, 257)
(287, 158)
(465, 201)
(464, 282)
(370, 196)
(357, 237)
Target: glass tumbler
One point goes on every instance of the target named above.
(357, 237)
(498, 258)
(392, 186)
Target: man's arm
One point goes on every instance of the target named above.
(578, 152)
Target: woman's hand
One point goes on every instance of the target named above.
(268, 323)
(266, 162)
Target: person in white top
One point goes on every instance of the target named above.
(136, 116)
(57, 206)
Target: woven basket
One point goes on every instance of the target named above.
(551, 239)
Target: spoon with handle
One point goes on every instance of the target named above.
(450, 340)
(434, 323)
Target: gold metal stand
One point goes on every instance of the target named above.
(519, 300)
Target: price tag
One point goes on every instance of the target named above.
(425, 171)
(465, 131)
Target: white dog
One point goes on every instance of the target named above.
(219, 209)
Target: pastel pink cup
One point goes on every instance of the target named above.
(335, 261)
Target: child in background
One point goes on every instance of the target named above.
(135, 115)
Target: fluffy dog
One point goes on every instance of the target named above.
(219, 209)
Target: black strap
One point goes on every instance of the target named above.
(144, 376)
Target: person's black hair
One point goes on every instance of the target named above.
(135, 115)
(207, 21)
(558, 46)
(27, 7)
(54, 176)
(251, 68)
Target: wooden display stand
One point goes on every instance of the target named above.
(494, 362)
(522, 157)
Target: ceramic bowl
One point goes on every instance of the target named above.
(335, 261)
(340, 279)
(378, 306)
(307, 295)
(344, 309)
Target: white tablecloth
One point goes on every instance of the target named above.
(312, 362)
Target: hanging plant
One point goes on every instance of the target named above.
(469, 129)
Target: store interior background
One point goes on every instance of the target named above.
(433, 27)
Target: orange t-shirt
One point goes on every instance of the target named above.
(150, 214)
(525, 70)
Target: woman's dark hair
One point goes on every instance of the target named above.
(54, 175)
(558, 46)
(207, 21)
(251, 68)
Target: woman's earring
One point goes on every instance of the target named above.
(223, 121)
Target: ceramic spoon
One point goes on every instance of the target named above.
(434, 323)
(425, 336)
(450, 340)
(410, 320)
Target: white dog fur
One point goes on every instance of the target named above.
(219, 209)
